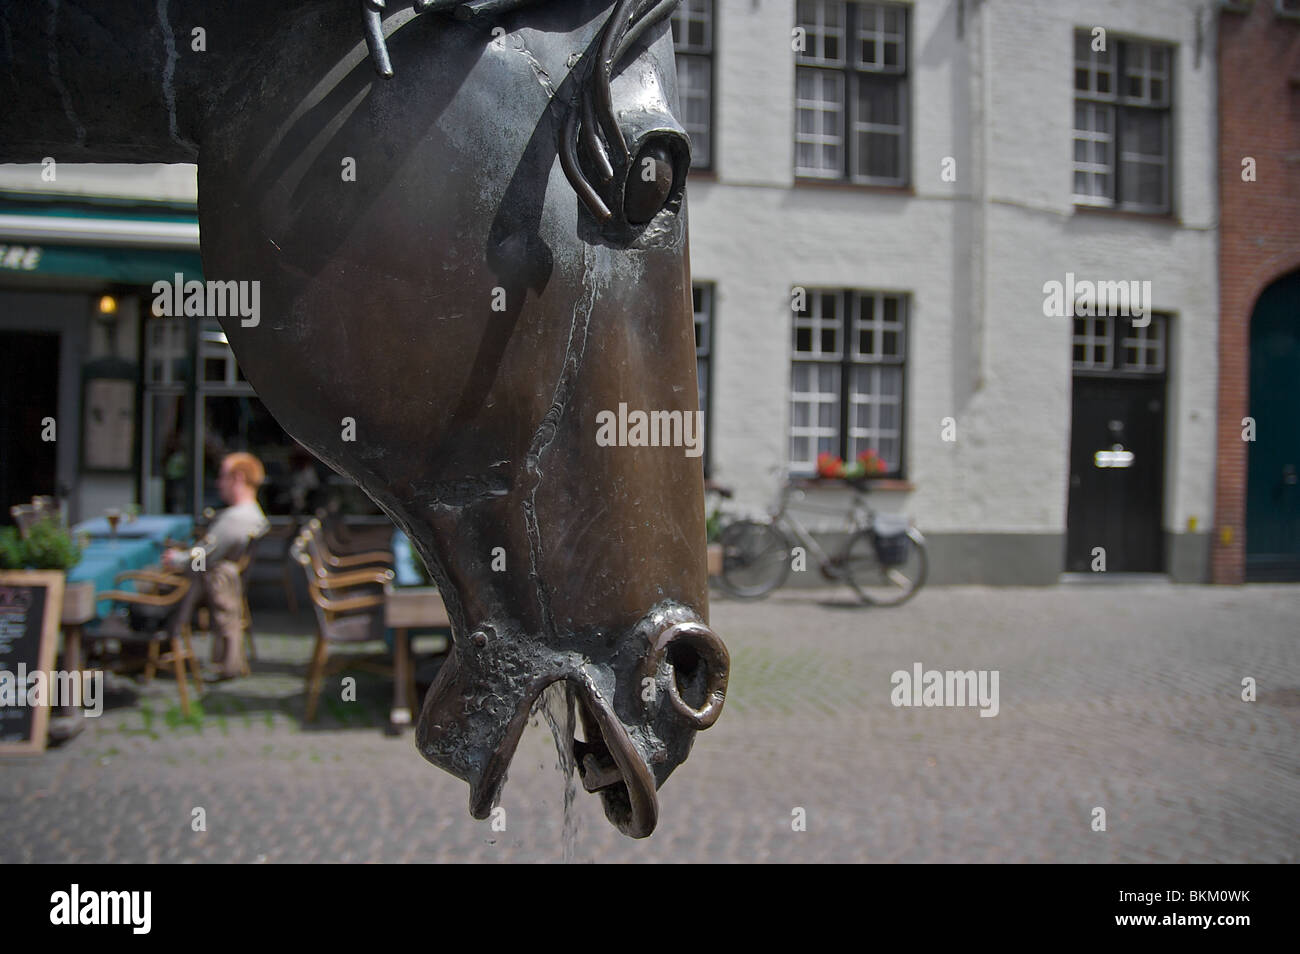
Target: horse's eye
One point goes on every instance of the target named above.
(649, 183)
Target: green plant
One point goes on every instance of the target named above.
(713, 526)
(49, 546)
(13, 554)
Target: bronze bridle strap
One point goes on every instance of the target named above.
(590, 124)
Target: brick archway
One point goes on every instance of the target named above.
(1238, 295)
(1259, 232)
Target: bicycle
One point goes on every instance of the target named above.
(883, 560)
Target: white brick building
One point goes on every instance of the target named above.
(1100, 164)
(936, 162)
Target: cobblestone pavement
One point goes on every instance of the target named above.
(1126, 698)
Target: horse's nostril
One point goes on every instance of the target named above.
(649, 183)
(689, 673)
(700, 665)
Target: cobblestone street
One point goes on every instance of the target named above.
(1123, 697)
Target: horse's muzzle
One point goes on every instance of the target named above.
(640, 701)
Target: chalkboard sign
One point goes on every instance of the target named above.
(31, 602)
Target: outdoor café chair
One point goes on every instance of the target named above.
(342, 540)
(324, 557)
(157, 619)
(349, 609)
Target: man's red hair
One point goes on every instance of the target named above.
(247, 466)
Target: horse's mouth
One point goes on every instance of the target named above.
(607, 761)
(476, 711)
(608, 764)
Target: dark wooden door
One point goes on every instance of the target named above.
(1273, 473)
(1117, 472)
(29, 392)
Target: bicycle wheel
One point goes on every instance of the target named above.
(881, 585)
(755, 558)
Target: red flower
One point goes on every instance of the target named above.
(828, 465)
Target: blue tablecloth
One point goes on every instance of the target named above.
(103, 560)
(154, 527)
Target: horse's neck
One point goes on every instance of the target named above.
(122, 80)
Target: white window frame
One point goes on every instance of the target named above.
(1123, 60)
(834, 374)
(695, 60)
(850, 22)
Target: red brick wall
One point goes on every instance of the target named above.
(1259, 234)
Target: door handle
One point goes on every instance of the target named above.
(1117, 457)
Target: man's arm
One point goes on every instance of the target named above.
(228, 535)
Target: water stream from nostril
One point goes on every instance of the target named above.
(557, 706)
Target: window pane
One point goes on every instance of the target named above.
(877, 101)
(823, 24)
(878, 140)
(808, 404)
(1093, 151)
(694, 93)
(819, 104)
(1093, 69)
(1145, 158)
(879, 37)
(692, 25)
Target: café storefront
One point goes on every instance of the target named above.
(104, 402)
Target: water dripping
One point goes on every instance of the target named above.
(557, 705)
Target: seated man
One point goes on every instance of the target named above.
(241, 475)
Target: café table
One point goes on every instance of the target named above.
(408, 605)
(101, 562)
(156, 527)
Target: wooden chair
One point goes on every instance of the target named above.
(349, 609)
(344, 540)
(156, 618)
(328, 560)
(270, 562)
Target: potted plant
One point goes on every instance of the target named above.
(49, 546)
(712, 535)
(869, 464)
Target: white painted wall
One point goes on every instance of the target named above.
(756, 234)
(173, 183)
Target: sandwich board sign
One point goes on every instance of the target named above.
(31, 604)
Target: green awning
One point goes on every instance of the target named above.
(127, 266)
(133, 243)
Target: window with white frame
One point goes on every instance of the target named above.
(851, 92)
(702, 299)
(692, 25)
(846, 377)
(1104, 344)
(1123, 129)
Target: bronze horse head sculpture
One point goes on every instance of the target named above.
(469, 231)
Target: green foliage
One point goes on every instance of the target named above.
(12, 552)
(713, 526)
(49, 546)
